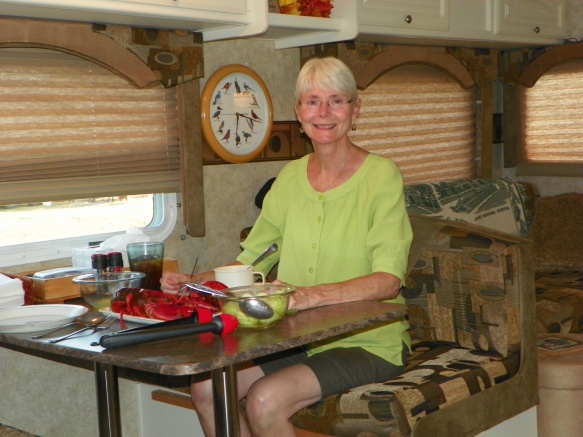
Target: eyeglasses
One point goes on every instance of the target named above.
(336, 103)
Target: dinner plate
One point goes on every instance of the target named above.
(134, 319)
(38, 317)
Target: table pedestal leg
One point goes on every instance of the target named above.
(224, 382)
(106, 387)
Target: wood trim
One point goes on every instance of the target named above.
(173, 398)
(80, 40)
(533, 71)
(191, 158)
(396, 56)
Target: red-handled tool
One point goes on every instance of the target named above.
(201, 315)
(222, 324)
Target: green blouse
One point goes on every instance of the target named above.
(359, 228)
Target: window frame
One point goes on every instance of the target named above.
(528, 78)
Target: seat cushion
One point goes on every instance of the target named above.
(438, 375)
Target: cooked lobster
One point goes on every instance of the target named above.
(154, 304)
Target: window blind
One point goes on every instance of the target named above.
(423, 120)
(71, 129)
(551, 128)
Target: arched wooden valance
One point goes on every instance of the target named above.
(431, 56)
(78, 39)
(555, 55)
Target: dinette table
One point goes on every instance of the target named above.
(199, 353)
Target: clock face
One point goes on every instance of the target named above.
(236, 113)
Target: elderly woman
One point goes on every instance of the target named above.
(339, 218)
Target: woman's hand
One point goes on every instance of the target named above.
(172, 282)
(298, 300)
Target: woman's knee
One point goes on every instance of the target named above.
(201, 392)
(261, 401)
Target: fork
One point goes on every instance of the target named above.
(106, 323)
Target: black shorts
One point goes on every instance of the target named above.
(337, 370)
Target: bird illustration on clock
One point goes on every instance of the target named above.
(236, 113)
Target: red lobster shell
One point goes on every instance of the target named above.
(154, 304)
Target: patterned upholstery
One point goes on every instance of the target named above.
(438, 375)
(464, 290)
(463, 293)
(493, 203)
(559, 303)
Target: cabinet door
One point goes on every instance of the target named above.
(532, 18)
(406, 14)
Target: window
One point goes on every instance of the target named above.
(423, 120)
(551, 131)
(74, 140)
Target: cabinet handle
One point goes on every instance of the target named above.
(536, 29)
(408, 19)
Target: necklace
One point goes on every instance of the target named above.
(331, 181)
(328, 185)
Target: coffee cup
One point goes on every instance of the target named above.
(237, 276)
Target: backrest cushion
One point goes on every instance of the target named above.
(557, 232)
(464, 285)
(493, 203)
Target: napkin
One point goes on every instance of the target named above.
(118, 243)
(11, 292)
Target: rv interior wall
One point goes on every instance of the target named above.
(230, 189)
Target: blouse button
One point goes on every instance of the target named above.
(313, 245)
(311, 270)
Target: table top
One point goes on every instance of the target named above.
(199, 353)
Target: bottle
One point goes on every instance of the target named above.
(99, 264)
(114, 262)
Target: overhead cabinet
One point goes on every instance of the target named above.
(407, 17)
(478, 23)
(533, 19)
(216, 19)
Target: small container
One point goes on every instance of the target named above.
(99, 263)
(98, 289)
(114, 262)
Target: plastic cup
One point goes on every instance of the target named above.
(147, 257)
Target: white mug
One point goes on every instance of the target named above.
(237, 276)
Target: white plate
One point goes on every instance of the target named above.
(38, 317)
(134, 319)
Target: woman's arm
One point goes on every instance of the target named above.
(376, 286)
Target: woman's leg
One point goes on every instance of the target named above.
(202, 398)
(274, 399)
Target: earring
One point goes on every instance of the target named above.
(301, 129)
(353, 128)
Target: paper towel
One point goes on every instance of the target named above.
(118, 243)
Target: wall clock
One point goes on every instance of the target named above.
(236, 113)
